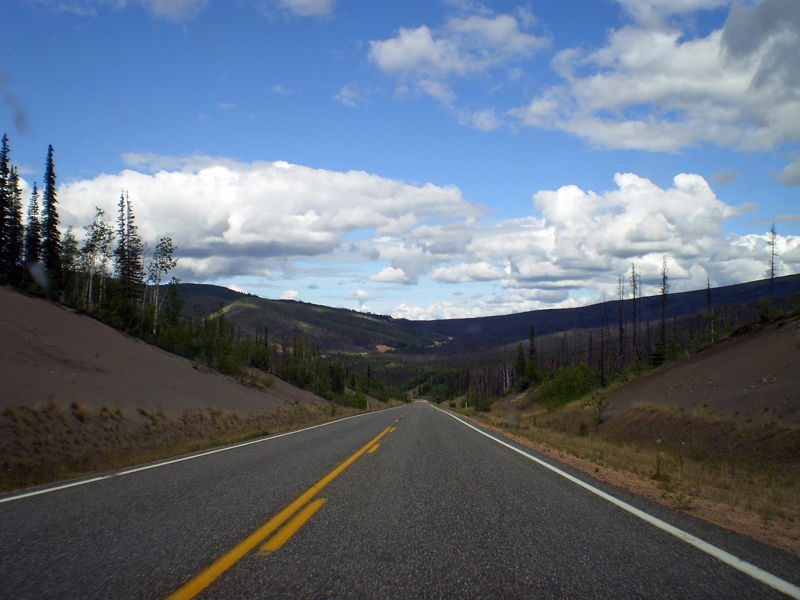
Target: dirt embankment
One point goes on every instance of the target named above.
(77, 396)
(39, 445)
(50, 353)
(750, 378)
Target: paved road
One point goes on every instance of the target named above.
(430, 509)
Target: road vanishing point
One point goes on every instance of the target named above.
(408, 502)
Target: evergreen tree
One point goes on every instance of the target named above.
(660, 354)
(633, 304)
(70, 263)
(51, 238)
(710, 308)
(120, 253)
(128, 266)
(620, 324)
(4, 195)
(173, 303)
(521, 365)
(533, 363)
(15, 231)
(33, 232)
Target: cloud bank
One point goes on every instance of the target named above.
(233, 219)
(230, 218)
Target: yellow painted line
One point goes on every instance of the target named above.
(222, 564)
(397, 420)
(280, 538)
(371, 450)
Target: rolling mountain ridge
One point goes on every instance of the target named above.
(341, 329)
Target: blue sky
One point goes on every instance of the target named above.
(423, 159)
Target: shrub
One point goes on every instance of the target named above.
(568, 384)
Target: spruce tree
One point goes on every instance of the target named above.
(120, 253)
(664, 289)
(135, 250)
(128, 267)
(521, 365)
(533, 365)
(51, 237)
(5, 200)
(15, 231)
(33, 232)
(70, 263)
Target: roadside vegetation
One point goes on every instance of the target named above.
(55, 442)
(753, 491)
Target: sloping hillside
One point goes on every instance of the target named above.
(48, 352)
(751, 377)
(335, 329)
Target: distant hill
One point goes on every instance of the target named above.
(488, 332)
(339, 329)
(202, 298)
(335, 329)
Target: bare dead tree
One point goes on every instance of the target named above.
(663, 289)
(633, 296)
(621, 349)
(710, 308)
(772, 234)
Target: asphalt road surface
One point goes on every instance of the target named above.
(408, 502)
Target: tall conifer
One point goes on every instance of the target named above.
(33, 232)
(51, 237)
(5, 200)
(15, 230)
(533, 365)
(120, 253)
(664, 289)
(128, 264)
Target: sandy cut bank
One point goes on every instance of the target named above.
(49, 352)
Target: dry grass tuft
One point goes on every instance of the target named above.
(42, 446)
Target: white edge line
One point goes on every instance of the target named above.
(737, 563)
(176, 460)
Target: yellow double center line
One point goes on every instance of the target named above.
(202, 581)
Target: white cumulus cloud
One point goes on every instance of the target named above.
(390, 275)
(465, 46)
(230, 218)
(654, 87)
(463, 272)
